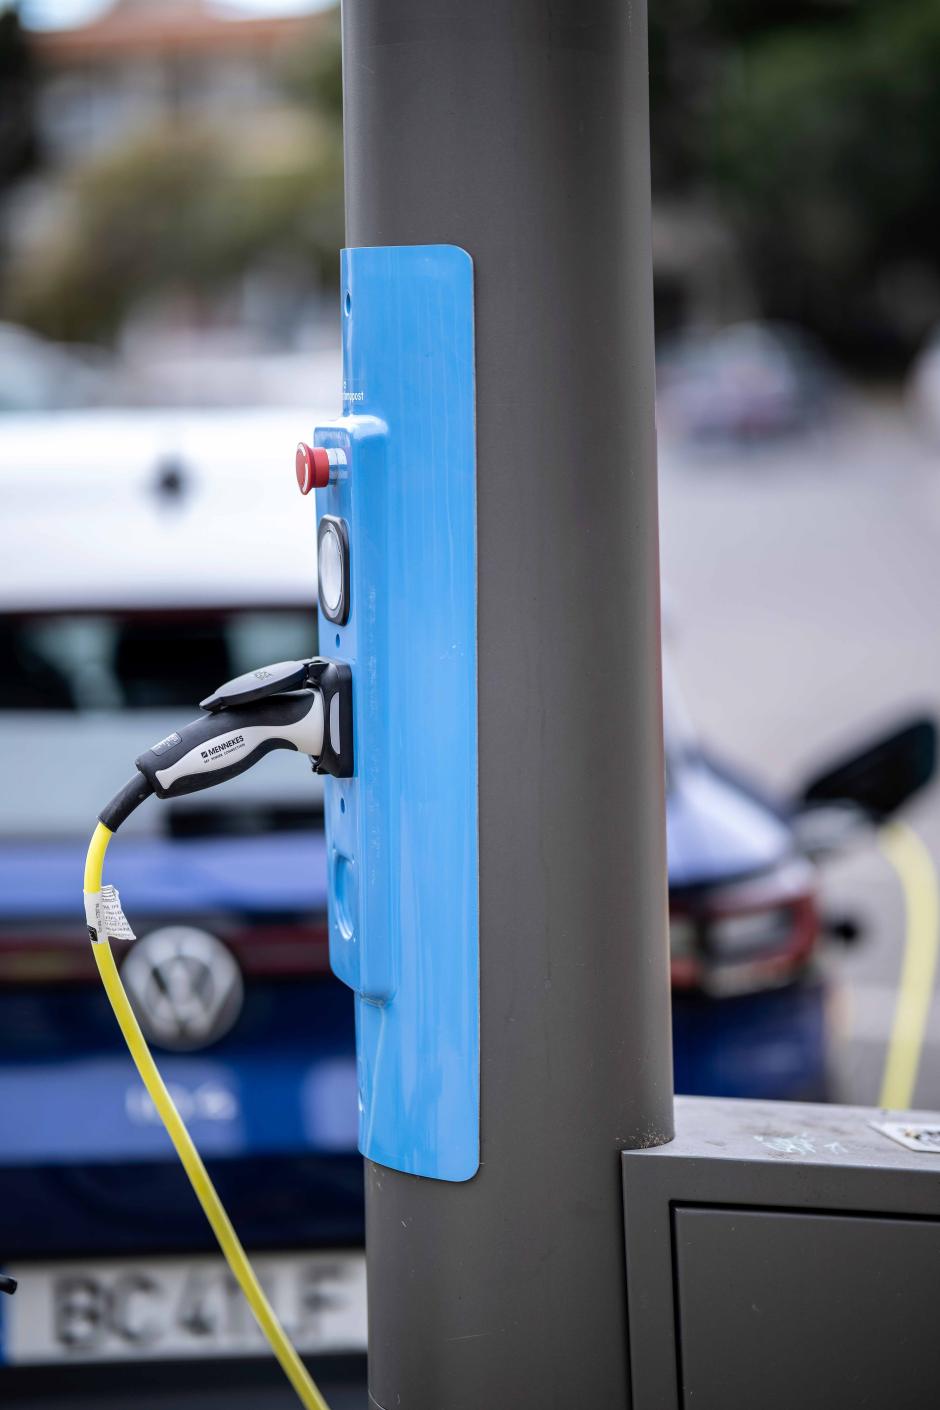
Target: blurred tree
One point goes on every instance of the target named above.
(186, 211)
(815, 126)
(183, 211)
(314, 77)
(17, 91)
(828, 146)
(812, 127)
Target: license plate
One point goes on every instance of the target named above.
(164, 1308)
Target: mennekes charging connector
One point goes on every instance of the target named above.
(333, 679)
(301, 705)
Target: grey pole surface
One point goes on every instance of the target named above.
(518, 129)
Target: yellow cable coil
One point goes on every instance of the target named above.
(229, 1241)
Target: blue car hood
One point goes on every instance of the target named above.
(42, 880)
(716, 830)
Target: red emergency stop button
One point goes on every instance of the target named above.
(313, 468)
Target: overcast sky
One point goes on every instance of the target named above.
(46, 14)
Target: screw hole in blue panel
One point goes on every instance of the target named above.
(347, 303)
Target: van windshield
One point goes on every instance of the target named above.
(82, 694)
(139, 661)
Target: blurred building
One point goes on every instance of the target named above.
(147, 61)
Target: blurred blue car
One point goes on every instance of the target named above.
(173, 558)
(107, 644)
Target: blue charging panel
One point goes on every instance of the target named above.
(402, 834)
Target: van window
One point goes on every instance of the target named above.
(140, 660)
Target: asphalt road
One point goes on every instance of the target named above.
(803, 607)
(223, 1385)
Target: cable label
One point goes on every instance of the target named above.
(104, 915)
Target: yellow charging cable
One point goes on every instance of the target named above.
(229, 1242)
(918, 877)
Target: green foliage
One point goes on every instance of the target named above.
(314, 76)
(812, 125)
(182, 210)
(851, 120)
(818, 127)
(189, 209)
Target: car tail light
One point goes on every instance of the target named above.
(741, 936)
(746, 935)
(280, 951)
(264, 949)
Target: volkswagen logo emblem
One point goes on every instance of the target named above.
(184, 987)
